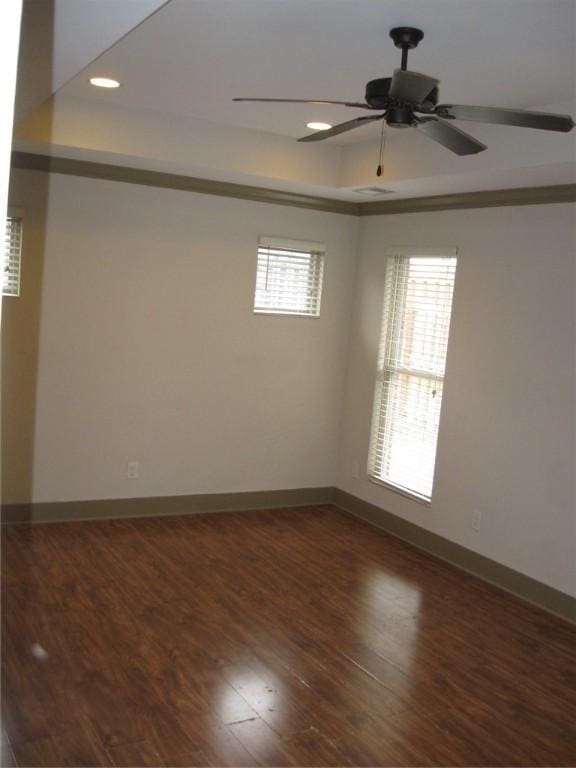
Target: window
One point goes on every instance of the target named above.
(411, 362)
(289, 277)
(12, 250)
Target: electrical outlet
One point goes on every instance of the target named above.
(355, 470)
(476, 519)
(132, 470)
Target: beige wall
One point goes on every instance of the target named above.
(150, 351)
(506, 443)
(20, 335)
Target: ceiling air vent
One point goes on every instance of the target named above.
(373, 191)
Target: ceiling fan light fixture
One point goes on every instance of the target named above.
(316, 126)
(104, 82)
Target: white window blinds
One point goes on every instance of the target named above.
(289, 277)
(410, 379)
(12, 253)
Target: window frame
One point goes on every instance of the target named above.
(316, 251)
(391, 323)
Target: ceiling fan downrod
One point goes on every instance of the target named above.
(406, 38)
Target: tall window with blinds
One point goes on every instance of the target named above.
(289, 277)
(411, 363)
(12, 255)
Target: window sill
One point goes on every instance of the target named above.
(272, 313)
(401, 491)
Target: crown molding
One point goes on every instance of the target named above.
(560, 193)
(494, 198)
(71, 167)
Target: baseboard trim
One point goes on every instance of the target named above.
(548, 598)
(158, 506)
(552, 600)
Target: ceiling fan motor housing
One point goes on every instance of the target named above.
(400, 117)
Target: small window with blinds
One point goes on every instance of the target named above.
(410, 379)
(12, 254)
(289, 277)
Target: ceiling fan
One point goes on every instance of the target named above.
(410, 100)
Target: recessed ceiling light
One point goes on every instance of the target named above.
(104, 82)
(319, 126)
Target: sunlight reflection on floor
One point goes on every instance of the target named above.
(390, 616)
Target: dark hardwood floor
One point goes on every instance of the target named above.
(282, 637)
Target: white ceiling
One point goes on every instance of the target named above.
(189, 59)
(194, 56)
(60, 37)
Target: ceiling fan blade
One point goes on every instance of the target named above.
(457, 141)
(411, 86)
(341, 128)
(356, 105)
(545, 121)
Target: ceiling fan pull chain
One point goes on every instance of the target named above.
(381, 153)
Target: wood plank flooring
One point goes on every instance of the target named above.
(273, 637)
